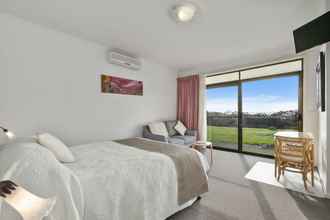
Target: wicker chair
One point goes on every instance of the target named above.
(295, 156)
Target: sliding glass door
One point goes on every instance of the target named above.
(268, 105)
(245, 108)
(222, 116)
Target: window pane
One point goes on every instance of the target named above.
(294, 66)
(266, 110)
(222, 118)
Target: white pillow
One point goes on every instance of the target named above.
(180, 128)
(158, 128)
(56, 146)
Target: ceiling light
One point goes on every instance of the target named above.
(184, 12)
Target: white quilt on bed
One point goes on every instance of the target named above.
(124, 183)
(36, 169)
(108, 181)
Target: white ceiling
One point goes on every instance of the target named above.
(226, 34)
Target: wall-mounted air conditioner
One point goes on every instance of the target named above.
(123, 60)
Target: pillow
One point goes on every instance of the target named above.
(180, 128)
(56, 146)
(158, 128)
(170, 128)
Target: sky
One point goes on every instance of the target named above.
(266, 96)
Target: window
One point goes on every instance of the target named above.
(245, 108)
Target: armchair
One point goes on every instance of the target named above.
(188, 139)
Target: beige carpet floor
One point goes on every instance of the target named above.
(233, 197)
(264, 173)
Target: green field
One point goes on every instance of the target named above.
(252, 136)
(255, 140)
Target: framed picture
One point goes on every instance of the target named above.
(117, 85)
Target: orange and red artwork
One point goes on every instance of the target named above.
(117, 85)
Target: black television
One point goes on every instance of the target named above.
(312, 34)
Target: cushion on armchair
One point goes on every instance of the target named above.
(170, 128)
(158, 128)
(180, 128)
(147, 134)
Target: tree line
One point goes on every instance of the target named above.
(277, 120)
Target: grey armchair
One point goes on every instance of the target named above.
(188, 139)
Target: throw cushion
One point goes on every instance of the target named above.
(180, 128)
(158, 128)
(56, 146)
(170, 128)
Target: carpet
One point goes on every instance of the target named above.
(264, 173)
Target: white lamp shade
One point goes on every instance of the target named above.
(186, 12)
(28, 205)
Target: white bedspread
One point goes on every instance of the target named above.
(37, 170)
(125, 183)
(108, 181)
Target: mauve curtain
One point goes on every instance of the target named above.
(202, 125)
(188, 101)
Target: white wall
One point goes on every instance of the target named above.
(49, 81)
(311, 113)
(326, 132)
(316, 121)
(324, 122)
(322, 118)
(318, 118)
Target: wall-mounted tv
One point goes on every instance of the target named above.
(312, 34)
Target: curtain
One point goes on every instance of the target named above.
(188, 101)
(202, 120)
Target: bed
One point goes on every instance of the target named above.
(122, 180)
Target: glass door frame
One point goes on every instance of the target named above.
(235, 83)
(239, 82)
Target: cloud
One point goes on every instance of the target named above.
(253, 104)
(261, 98)
(221, 105)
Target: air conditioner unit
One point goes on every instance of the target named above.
(123, 60)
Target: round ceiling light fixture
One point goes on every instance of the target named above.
(184, 12)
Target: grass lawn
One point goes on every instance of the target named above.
(253, 136)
